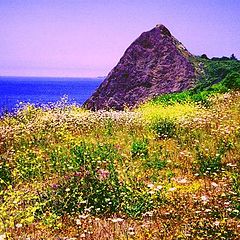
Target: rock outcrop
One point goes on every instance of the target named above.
(155, 63)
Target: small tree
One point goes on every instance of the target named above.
(233, 57)
(204, 56)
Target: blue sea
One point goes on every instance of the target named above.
(44, 90)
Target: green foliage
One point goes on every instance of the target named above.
(61, 168)
(95, 187)
(97, 191)
(182, 97)
(30, 166)
(5, 173)
(93, 184)
(220, 77)
(92, 156)
(155, 163)
(157, 160)
(207, 163)
(218, 88)
(171, 98)
(139, 149)
(216, 71)
(138, 200)
(236, 183)
(164, 128)
(109, 127)
(59, 161)
(232, 80)
(202, 97)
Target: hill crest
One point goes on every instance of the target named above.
(155, 63)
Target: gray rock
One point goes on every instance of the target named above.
(155, 63)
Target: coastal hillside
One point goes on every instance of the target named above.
(156, 63)
(168, 169)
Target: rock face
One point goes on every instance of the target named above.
(155, 63)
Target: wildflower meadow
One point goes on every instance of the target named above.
(168, 169)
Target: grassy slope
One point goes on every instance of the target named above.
(168, 170)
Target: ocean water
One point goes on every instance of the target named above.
(43, 90)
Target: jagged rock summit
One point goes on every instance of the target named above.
(155, 63)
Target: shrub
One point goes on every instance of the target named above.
(232, 80)
(158, 160)
(218, 88)
(139, 149)
(155, 163)
(201, 97)
(138, 200)
(5, 174)
(164, 128)
(172, 98)
(209, 163)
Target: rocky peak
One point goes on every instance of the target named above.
(155, 63)
(162, 29)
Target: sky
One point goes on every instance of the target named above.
(86, 38)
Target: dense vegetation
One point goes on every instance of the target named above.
(219, 76)
(167, 170)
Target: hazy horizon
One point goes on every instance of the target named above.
(57, 77)
(87, 38)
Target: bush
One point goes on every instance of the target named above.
(136, 201)
(172, 98)
(164, 128)
(209, 163)
(201, 97)
(155, 163)
(139, 149)
(232, 80)
(218, 88)
(5, 174)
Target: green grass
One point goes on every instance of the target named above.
(219, 77)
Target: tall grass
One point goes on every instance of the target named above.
(164, 171)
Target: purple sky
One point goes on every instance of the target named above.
(87, 38)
